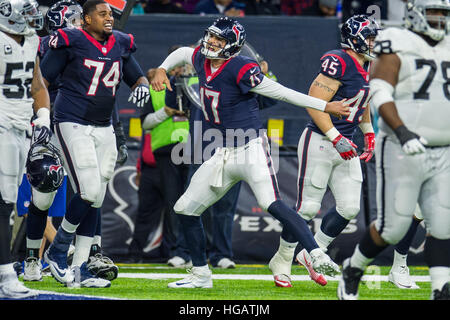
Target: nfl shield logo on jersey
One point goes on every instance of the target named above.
(103, 49)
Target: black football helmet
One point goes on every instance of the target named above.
(44, 167)
(354, 34)
(231, 31)
(63, 14)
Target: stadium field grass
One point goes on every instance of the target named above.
(142, 288)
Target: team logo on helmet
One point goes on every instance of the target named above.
(56, 171)
(5, 9)
(57, 16)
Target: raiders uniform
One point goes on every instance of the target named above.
(422, 98)
(17, 64)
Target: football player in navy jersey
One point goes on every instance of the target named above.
(90, 62)
(228, 86)
(63, 14)
(326, 154)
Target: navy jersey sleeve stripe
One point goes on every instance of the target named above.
(195, 52)
(341, 60)
(131, 40)
(244, 70)
(64, 36)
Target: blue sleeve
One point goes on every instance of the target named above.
(332, 65)
(54, 63)
(249, 76)
(131, 71)
(171, 96)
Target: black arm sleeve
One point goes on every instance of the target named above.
(131, 71)
(53, 64)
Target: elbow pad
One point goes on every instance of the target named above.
(381, 91)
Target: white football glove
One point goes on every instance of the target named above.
(140, 95)
(43, 118)
(415, 146)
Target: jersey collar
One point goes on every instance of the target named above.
(104, 49)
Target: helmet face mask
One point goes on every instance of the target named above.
(20, 17)
(230, 31)
(63, 14)
(357, 33)
(44, 168)
(428, 17)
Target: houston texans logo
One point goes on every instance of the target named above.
(237, 32)
(57, 173)
(57, 17)
(358, 26)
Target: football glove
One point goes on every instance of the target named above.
(140, 95)
(369, 146)
(41, 127)
(121, 145)
(345, 147)
(411, 142)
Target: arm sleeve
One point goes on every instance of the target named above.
(178, 57)
(273, 89)
(131, 71)
(151, 120)
(53, 64)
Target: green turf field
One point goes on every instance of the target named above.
(149, 282)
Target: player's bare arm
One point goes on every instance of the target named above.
(324, 88)
(39, 89)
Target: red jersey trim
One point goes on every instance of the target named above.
(103, 49)
(244, 69)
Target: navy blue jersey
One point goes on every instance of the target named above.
(339, 65)
(225, 95)
(89, 71)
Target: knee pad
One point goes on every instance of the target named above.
(101, 195)
(348, 212)
(43, 201)
(309, 209)
(188, 207)
(108, 163)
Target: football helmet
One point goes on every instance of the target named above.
(228, 29)
(44, 167)
(63, 14)
(20, 17)
(417, 19)
(354, 34)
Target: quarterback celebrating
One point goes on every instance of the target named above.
(228, 83)
(410, 88)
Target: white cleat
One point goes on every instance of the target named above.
(84, 278)
(226, 263)
(323, 264)
(199, 277)
(32, 270)
(12, 288)
(400, 277)
(178, 262)
(304, 259)
(281, 270)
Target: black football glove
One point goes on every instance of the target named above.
(121, 144)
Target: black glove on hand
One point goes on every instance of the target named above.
(121, 144)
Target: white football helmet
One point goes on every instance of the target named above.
(434, 26)
(20, 17)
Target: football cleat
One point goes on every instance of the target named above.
(443, 294)
(349, 282)
(400, 277)
(199, 277)
(178, 262)
(12, 288)
(32, 270)
(304, 259)
(323, 264)
(57, 260)
(102, 267)
(83, 278)
(281, 270)
(226, 263)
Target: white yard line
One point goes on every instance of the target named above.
(267, 277)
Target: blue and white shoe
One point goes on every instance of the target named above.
(199, 277)
(86, 279)
(57, 261)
